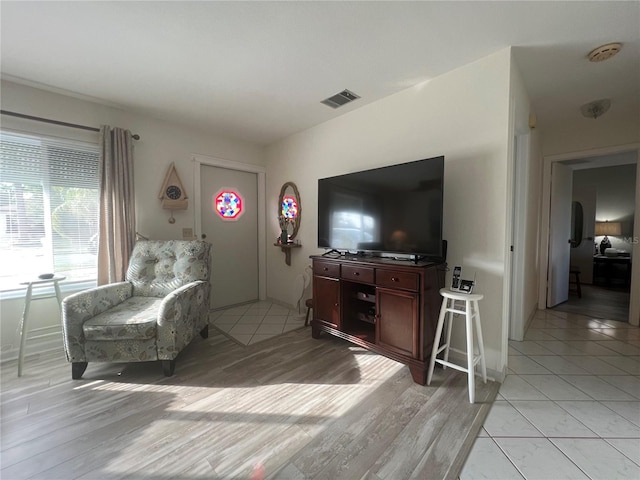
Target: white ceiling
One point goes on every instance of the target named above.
(257, 71)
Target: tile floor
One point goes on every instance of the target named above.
(255, 322)
(569, 407)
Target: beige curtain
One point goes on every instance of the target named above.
(117, 208)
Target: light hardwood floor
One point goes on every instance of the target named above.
(292, 407)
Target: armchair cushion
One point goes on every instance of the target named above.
(157, 268)
(134, 319)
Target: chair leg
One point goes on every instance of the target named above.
(578, 287)
(204, 333)
(306, 320)
(77, 369)
(168, 367)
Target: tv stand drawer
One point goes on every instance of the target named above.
(326, 269)
(357, 274)
(395, 279)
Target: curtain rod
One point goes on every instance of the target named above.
(56, 122)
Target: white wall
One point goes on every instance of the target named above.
(463, 115)
(161, 143)
(619, 126)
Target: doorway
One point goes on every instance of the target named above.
(238, 238)
(619, 302)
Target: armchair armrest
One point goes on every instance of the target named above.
(183, 313)
(79, 307)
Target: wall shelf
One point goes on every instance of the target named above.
(286, 249)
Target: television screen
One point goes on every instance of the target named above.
(395, 209)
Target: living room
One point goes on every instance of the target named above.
(471, 114)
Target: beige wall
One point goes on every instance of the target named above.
(161, 143)
(463, 115)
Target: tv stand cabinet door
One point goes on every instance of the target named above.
(397, 325)
(326, 300)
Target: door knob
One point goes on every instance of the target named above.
(204, 235)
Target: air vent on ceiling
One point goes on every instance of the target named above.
(340, 99)
(604, 52)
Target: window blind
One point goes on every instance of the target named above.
(48, 208)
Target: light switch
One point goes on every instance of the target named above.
(187, 233)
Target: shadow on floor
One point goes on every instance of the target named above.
(598, 302)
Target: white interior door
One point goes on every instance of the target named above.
(559, 234)
(582, 255)
(234, 277)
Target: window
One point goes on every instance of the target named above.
(48, 208)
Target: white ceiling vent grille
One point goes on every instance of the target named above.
(604, 52)
(340, 99)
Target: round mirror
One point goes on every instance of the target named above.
(289, 208)
(577, 222)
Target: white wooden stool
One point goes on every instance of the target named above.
(471, 313)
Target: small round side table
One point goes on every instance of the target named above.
(38, 282)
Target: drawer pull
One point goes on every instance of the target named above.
(356, 273)
(325, 269)
(395, 279)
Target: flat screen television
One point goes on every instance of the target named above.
(393, 210)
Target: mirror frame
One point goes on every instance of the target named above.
(296, 193)
(577, 224)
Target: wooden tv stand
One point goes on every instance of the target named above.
(387, 306)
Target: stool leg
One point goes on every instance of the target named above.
(449, 320)
(483, 366)
(470, 369)
(578, 285)
(436, 340)
(23, 328)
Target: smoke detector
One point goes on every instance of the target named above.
(596, 108)
(340, 99)
(604, 52)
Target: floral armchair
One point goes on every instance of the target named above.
(155, 313)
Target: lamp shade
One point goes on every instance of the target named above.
(608, 228)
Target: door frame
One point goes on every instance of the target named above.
(634, 303)
(203, 160)
(520, 204)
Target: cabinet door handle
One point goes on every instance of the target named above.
(376, 317)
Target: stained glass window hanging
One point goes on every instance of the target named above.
(228, 204)
(289, 207)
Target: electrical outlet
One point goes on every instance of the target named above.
(187, 233)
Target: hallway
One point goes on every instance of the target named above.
(569, 407)
(598, 302)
